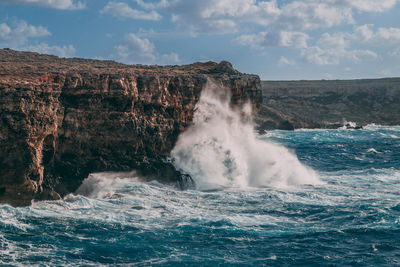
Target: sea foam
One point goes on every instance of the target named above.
(221, 148)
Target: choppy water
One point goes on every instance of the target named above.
(303, 198)
(351, 218)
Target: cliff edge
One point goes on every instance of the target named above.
(329, 103)
(61, 119)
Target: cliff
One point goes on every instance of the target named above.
(329, 104)
(62, 119)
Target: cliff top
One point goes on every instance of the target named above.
(14, 63)
(62, 119)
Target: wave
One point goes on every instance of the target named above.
(106, 184)
(221, 148)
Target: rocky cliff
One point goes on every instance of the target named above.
(329, 104)
(61, 119)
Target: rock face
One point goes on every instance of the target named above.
(62, 119)
(329, 104)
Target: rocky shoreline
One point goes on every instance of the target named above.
(62, 119)
(329, 104)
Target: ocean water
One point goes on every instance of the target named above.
(351, 218)
(284, 198)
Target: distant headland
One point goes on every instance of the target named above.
(329, 103)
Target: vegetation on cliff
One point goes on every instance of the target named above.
(329, 104)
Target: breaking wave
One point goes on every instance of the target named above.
(221, 149)
(118, 218)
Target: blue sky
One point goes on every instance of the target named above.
(278, 40)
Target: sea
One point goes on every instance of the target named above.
(277, 198)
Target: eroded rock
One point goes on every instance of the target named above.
(62, 119)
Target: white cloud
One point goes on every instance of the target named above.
(293, 39)
(228, 16)
(388, 35)
(372, 5)
(220, 16)
(253, 40)
(385, 72)
(210, 15)
(146, 5)
(283, 61)
(395, 52)
(261, 12)
(264, 39)
(331, 48)
(364, 32)
(333, 41)
(381, 37)
(20, 33)
(123, 10)
(286, 23)
(171, 58)
(61, 51)
(57, 4)
(313, 14)
(137, 50)
(333, 56)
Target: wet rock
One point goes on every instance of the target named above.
(62, 119)
(349, 126)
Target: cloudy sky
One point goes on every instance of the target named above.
(277, 39)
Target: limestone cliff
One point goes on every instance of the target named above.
(329, 104)
(61, 119)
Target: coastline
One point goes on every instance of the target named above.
(64, 118)
(329, 104)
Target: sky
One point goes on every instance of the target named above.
(276, 39)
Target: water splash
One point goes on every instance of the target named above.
(107, 184)
(221, 148)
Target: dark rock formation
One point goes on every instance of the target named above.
(62, 119)
(329, 104)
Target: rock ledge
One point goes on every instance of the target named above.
(62, 119)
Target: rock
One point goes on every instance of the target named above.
(224, 67)
(325, 104)
(286, 125)
(349, 126)
(62, 119)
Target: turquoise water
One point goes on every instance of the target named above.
(352, 218)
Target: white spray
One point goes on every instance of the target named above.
(221, 149)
